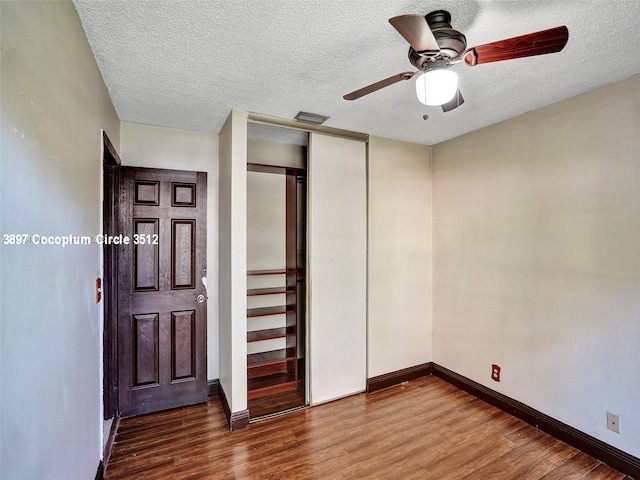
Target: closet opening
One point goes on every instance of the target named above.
(276, 269)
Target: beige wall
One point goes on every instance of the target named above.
(399, 255)
(169, 148)
(536, 259)
(54, 105)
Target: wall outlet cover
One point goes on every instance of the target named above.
(613, 422)
(495, 372)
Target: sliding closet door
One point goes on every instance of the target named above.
(337, 242)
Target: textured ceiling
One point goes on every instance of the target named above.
(186, 63)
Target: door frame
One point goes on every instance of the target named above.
(111, 180)
(111, 164)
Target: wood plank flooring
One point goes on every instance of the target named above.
(425, 429)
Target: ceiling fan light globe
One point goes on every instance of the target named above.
(436, 87)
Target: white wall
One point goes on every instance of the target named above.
(399, 255)
(537, 264)
(54, 105)
(158, 147)
(232, 258)
(275, 153)
(266, 221)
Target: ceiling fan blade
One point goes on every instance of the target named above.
(455, 102)
(378, 85)
(416, 31)
(538, 43)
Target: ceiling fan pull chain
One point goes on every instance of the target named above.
(425, 117)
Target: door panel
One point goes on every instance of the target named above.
(182, 259)
(145, 256)
(145, 343)
(337, 228)
(183, 361)
(161, 323)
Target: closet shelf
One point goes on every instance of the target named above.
(277, 169)
(276, 271)
(271, 357)
(271, 333)
(266, 311)
(270, 291)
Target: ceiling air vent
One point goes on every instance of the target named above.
(312, 118)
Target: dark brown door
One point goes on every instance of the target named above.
(162, 313)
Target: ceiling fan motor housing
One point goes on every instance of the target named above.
(451, 42)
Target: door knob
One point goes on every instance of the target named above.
(200, 298)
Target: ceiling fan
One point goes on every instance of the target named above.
(436, 46)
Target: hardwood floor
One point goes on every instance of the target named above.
(425, 429)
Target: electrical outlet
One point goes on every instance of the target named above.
(613, 422)
(495, 372)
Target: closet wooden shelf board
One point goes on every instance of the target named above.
(276, 271)
(253, 292)
(270, 357)
(265, 311)
(270, 333)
